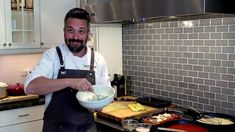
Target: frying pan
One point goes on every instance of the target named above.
(212, 127)
(216, 127)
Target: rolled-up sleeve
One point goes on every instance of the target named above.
(44, 68)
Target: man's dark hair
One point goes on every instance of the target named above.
(78, 13)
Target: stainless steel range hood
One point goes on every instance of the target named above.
(106, 11)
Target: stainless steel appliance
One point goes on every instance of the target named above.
(106, 11)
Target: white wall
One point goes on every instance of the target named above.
(14, 67)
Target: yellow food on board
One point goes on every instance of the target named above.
(136, 107)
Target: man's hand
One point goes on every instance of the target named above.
(81, 84)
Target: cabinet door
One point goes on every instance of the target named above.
(2, 23)
(21, 115)
(33, 126)
(21, 24)
(52, 20)
(110, 46)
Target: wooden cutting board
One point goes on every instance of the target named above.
(119, 110)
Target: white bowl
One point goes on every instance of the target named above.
(91, 101)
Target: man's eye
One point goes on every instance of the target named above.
(82, 31)
(70, 30)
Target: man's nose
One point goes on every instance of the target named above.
(76, 35)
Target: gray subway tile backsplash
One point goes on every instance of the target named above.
(190, 62)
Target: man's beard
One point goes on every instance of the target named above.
(75, 49)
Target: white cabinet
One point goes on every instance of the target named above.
(20, 24)
(52, 13)
(28, 119)
(35, 126)
(37, 28)
(108, 41)
(2, 23)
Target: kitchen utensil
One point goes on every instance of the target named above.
(91, 101)
(154, 102)
(170, 129)
(3, 92)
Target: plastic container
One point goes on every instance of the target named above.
(130, 124)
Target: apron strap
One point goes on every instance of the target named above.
(62, 66)
(92, 60)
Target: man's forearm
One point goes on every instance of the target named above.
(43, 86)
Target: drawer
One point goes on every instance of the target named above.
(21, 115)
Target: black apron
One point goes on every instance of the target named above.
(64, 113)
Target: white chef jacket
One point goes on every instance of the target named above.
(49, 64)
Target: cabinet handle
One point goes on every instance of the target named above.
(9, 44)
(4, 44)
(42, 43)
(23, 115)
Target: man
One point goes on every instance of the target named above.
(64, 70)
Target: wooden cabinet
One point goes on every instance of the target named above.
(26, 119)
(52, 13)
(20, 24)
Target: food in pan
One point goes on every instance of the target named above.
(161, 118)
(215, 121)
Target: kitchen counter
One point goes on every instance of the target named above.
(14, 102)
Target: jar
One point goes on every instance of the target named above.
(29, 4)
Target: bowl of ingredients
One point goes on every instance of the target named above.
(99, 98)
(130, 124)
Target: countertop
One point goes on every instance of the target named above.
(14, 102)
